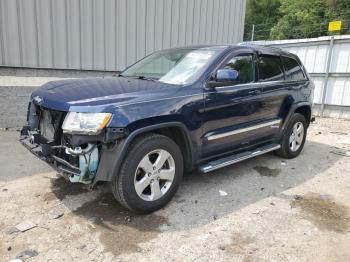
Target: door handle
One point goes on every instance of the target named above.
(254, 92)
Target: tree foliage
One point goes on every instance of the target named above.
(261, 12)
(295, 18)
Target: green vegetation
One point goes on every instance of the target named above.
(288, 19)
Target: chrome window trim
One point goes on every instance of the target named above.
(246, 129)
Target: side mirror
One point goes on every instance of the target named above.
(227, 75)
(224, 77)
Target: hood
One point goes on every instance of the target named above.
(99, 94)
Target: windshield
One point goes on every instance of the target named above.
(173, 66)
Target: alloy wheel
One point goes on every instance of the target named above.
(296, 137)
(154, 175)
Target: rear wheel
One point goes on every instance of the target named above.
(294, 137)
(150, 174)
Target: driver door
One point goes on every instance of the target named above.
(233, 109)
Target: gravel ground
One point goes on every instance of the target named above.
(274, 210)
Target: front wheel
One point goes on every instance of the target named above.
(150, 174)
(294, 137)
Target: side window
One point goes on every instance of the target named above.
(293, 69)
(270, 68)
(243, 64)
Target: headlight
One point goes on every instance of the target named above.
(85, 123)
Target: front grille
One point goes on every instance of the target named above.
(50, 122)
(43, 136)
(47, 126)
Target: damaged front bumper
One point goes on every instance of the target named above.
(87, 164)
(81, 158)
(79, 165)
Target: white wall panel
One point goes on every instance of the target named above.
(98, 29)
(110, 34)
(320, 58)
(319, 82)
(341, 58)
(27, 29)
(59, 30)
(110, 30)
(12, 51)
(44, 34)
(73, 38)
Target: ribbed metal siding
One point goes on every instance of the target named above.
(315, 58)
(110, 34)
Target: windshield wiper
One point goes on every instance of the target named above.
(145, 78)
(139, 77)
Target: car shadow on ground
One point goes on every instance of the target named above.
(201, 199)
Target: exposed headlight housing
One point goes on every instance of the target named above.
(85, 123)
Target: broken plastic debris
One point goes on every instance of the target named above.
(92, 225)
(222, 193)
(341, 153)
(55, 214)
(338, 133)
(27, 254)
(298, 197)
(343, 141)
(11, 230)
(25, 225)
(324, 197)
(283, 163)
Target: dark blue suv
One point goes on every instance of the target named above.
(200, 107)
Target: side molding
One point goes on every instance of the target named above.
(273, 124)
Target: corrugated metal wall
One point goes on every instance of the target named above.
(314, 53)
(110, 34)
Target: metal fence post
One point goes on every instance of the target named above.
(253, 32)
(325, 86)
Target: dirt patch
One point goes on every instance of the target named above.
(265, 171)
(60, 187)
(239, 244)
(323, 212)
(120, 230)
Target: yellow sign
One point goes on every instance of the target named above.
(334, 26)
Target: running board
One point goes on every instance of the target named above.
(213, 165)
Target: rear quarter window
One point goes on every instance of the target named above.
(270, 68)
(293, 70)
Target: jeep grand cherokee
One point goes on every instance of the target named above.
(199, 107)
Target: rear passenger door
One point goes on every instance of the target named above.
(296, 79)
(274, 88)
(281, 79)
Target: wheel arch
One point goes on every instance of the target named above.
(111, 160)
(303, 108)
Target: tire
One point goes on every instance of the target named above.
(140, 167)
(288, 150)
